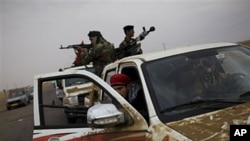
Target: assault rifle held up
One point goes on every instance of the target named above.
(132, 48)
(83, 47)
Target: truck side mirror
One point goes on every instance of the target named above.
(105, 115)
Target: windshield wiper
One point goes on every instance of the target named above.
(197, 103)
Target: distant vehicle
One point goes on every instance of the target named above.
(17, 98)
(29, 91)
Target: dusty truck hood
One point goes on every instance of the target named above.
(79, 89)
(213, 126)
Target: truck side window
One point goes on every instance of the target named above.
(70, 110)
(105, 97)
(109, 73)
(138, 95)
(132, 73)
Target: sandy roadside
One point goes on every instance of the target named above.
(247, 42)
(2, 101)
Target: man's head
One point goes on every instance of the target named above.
(94, 36)
(203, 66)
(129, 30)
(120, 82)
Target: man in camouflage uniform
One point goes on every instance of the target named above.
(211, 82)
(130, 41)
(101, 53)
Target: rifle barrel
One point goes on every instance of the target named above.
(88, 46)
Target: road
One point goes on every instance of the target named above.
(17, 124)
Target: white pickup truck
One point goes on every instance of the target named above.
(191, 93)
(74, 93)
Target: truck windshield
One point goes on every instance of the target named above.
(208, 75)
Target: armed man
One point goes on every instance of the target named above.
(129, 34)
(131, 46)
(101, 53)
(78, 49)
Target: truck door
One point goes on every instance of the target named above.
(50, 120)
(132, 71)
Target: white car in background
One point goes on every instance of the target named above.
(16, 99)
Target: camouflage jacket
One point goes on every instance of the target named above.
(101, 54)
(130, 42)
(126, 42)
(213, 82)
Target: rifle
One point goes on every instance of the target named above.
(145, 33)
(132, 48)
(87, 46)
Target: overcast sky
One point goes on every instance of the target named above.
(31, 31)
